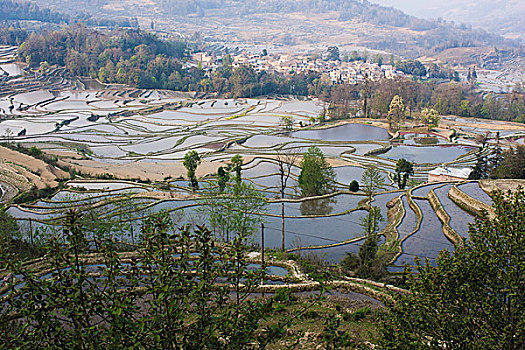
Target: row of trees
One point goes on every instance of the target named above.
(373, 98)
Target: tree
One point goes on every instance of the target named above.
(370, 223)
(364, 94)
(191, 162)
(222, 178)
(236, 166)
(317, 177)
(404, 169)
(512, 165)
(354, 186)
(236, 211)
(430, 118)
(367, 263)
(165, 297)
(481, 169)
(396, 113)
(8, 134)
(333, 53)
(11, 237)
(286, 121)
(371, 182)
(472, 298)
(285, 163)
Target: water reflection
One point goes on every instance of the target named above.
(323, 206)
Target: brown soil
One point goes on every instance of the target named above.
(22, 171)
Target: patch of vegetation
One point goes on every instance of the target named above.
(35, 194)
(317, 177)
(485, 273)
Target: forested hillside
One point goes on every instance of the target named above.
(17, 10)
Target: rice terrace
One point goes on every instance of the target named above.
(133, 186)
(141, 137)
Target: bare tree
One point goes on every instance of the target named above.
(8, 134)
(285, 161)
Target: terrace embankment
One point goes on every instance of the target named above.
(22, 171)
(443, 216)
(468, 203)
(154, 171)
(501, 185)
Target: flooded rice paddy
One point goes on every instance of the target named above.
(132, 126)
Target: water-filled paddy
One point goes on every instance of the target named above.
(427, 241)
(459, 219)
(473, 190)
(432, 154)
(218, 129)
(409, 221)
(346, 132)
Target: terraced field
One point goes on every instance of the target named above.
(144, 134)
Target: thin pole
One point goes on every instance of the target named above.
(282, 226)
(262, 245)
(263, 267)
(31, 231)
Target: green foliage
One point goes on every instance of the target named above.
(361, 313)
(404, 169)
(354, 186)
(317, 177)
(367, 264)
(430, 118)
(234, 211)
(370, 223)
(34, 194)
(163, 297)
(396, 113)
(284, 295)
(472, 298)
(236, 166)
(191, 162)
(509, 164)
(12, 36)
(35, 152)
(412, 67)
(371, 182)
(333, 337)
(29, 11)
(13, 241)
(286, 121)
(222, 178)
(130, 57)
(350, 262)
(512, 165)
(368, 251)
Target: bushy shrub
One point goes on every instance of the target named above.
(354, 186)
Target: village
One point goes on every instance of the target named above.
(336, 71)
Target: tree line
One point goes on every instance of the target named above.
(373, 98)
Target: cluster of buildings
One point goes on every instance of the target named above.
(336, 71)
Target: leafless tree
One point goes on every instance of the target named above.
(285, 161)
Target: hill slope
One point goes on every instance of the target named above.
(298, 25)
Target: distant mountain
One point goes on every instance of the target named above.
(298, 25)
(504, 17)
